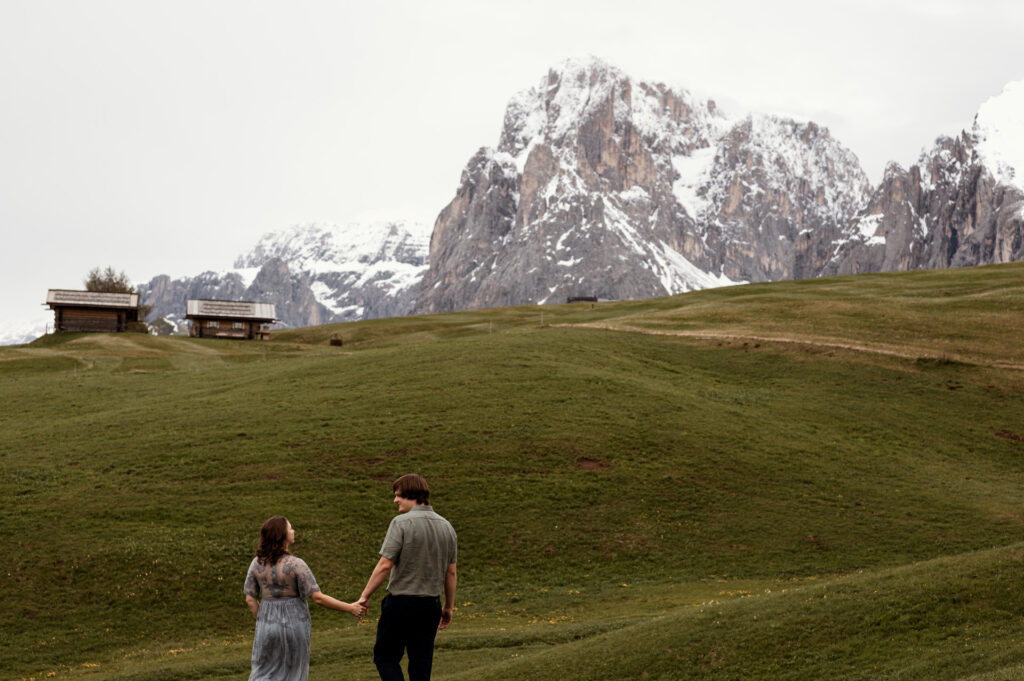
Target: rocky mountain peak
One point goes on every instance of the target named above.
(582, 97)
(605, 185)
(961, 204)
(609, 186)
(314, 273)
(317, 246)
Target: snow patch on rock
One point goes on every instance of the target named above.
(999, 129)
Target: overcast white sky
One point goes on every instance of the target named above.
(167, 137)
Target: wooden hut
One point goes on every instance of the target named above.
(92, 310)
(228, 318)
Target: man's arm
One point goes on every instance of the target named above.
(450, 579)
(379, 575)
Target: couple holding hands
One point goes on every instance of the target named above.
(418, 555)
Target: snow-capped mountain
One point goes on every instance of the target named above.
(357, 271)
(315, 274)
(604, 185)
(961, 204)
(608, 186)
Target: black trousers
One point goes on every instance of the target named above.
(407, 624)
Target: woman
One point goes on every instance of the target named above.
(280, 649)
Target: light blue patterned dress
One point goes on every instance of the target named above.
(280, 648)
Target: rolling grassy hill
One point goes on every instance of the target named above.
(796, 480)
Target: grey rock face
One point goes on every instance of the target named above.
(602, 185)
(291, 294)
(314, 274)
(779, 189)
(294, 301)
(947, 210)
(605, 186)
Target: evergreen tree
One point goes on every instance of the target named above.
(108, 281)
(112, 281)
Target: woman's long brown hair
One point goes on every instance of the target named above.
(273, 536)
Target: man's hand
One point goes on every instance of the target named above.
(364, 606)
(446, 618)
(378, 577)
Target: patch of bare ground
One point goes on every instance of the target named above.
(1010, 435)
(588, 464)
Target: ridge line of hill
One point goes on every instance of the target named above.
(713, 335)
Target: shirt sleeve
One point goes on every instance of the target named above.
(304, 579)
(453, 550)
(392, 546)
(252, 585)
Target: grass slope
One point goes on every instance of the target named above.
(780, 481)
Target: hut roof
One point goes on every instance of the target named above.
(229, 309)
(64, 298)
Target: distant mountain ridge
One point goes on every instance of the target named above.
(314, 274)
(961, 204)
(605, 185)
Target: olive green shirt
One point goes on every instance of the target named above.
(422, 545)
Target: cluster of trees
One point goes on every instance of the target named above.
(110, 280)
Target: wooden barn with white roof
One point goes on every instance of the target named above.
(229, 318)
(92, 310)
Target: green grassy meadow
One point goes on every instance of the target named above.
(799, 480)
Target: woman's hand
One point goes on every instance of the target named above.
(320, 598)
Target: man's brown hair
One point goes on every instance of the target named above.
(412, 486)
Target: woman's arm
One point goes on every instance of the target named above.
(254, 605)
(320, 598)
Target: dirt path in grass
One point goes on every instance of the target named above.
(795, 340)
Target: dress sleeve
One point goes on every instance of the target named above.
(304, 580)
(252, 585)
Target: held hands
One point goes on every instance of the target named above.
(361, 607)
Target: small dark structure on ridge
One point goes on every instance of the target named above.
(92, 310)
(229, 319)
(581, 299)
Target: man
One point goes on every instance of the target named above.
(418, 554)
